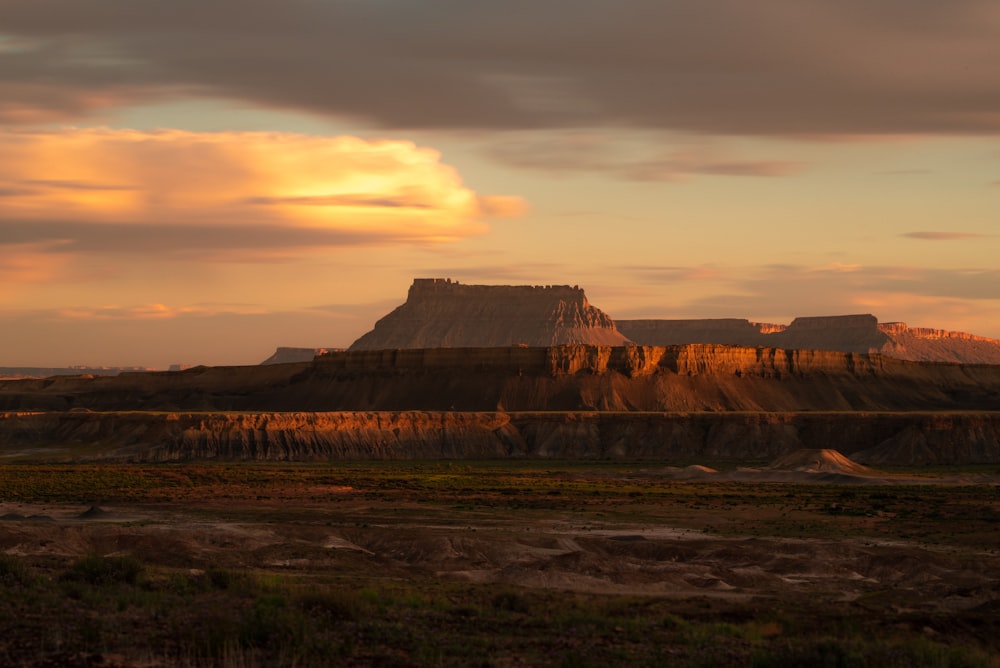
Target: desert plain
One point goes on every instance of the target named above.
(505, 563)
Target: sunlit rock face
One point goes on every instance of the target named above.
(440, 313)
(845, 333)
(938, 345)
(893, 438)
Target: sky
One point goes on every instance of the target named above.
(201, 181)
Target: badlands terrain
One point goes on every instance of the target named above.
(812, 560)
(503, 475)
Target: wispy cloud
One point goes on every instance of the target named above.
(944, 236)
(154, 311)
(557, 153)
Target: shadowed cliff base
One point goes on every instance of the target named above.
(803, 442)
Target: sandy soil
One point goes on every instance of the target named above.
(564, 553)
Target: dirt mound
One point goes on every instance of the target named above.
(819, 461)
(94, 512)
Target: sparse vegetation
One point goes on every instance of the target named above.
(190, 568)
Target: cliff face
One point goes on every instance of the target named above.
(725, 331)
(880, 439)
(572, 377)
(938, 345)
(848, 333)
(441, 313)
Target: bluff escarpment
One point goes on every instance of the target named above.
(287, 355)
(876, 438)
(439, 313)
(847, 333)
(559, 378)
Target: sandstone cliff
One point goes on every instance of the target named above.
(848, 333)
(937, 345)
(440, 313)
(875, 438)
(572, 377)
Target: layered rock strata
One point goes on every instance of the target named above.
(871, 438)
(604, 378)
(847, 333)
(441, 313)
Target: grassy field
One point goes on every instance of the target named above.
(493, 564)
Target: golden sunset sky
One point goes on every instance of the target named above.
(198, 182)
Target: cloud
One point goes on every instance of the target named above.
(944, 236)
(680, 165)
(587, 152)
(833, 67)
(102, 190)
(153, 312)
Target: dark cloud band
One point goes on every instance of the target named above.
(714, 66)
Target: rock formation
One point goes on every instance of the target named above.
(847, 333)
(872, 438)
(937, 345)
(284, 355)
(440, 313)
(812, 460)
(574, 377)
(573, 401)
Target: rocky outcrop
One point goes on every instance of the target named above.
(284, 355)
(725, 331)
(440, 313)
(846, 333)
(871, 438)
(134, 436)
(938, 345)
(559, 378)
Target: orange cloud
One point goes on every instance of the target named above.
(152, 312)
(348, 185)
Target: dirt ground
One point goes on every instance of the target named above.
(919, 557)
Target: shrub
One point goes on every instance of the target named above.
(333, 605)
(12, 571)
(97, 570)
